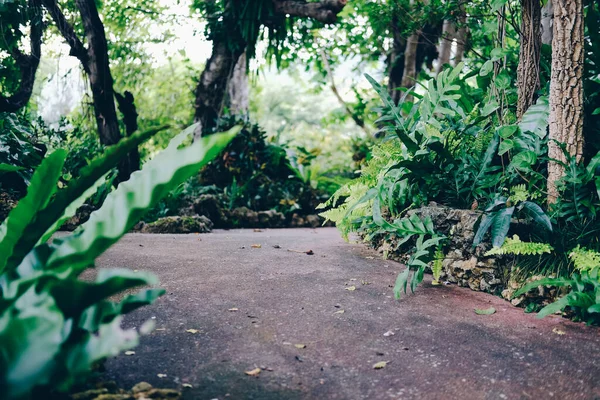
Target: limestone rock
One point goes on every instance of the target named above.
(195, 224)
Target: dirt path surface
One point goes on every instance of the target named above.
(439, 349)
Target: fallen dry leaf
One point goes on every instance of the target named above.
(161, 375)
(339, 312)
(487, 311)
(253, 372)
(380, 364)
(234, 309)
(370, 257)
(256, 246)
(192, 330)
(559, 331)
(365, 282)
(300, 346)
(129, 353)
(351, 288)
(258, 230)
(187, 386)
(389, 333)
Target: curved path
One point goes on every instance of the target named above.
(439, 349)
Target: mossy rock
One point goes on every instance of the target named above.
(194, 224)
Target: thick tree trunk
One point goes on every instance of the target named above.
(566, 88)
(528, 71)
(238, 88)
(101, 80)
(211, 89)
(445, 46)
(547, 22)
(28, 63)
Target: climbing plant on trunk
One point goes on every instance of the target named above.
(528, 71)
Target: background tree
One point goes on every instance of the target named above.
(15, 93)
(234, 29)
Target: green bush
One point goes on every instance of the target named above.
(54, 326)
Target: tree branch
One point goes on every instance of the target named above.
(325, 11)
(77, 48)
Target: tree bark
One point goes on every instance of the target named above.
(547, 22)
(461, 38)
(445, 46)
(528, 70)
(409, 76)
(127, 107)
(28, 63)
(566, 88)
(325, 11)
(396, 62)
(212, 87)
(101, 81)
(238, 88)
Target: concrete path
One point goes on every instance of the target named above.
(438, 347)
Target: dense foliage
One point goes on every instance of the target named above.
(55, 326)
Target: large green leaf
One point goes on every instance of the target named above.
(536, 213)
(47, 219)
(31, 334)
(22, 218)
(501, 225)
(126, 205)
(73, 296)
(105, 311)
(535, 119)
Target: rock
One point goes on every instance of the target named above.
(89, 394)
(162, 394)
(80, 217)
(141, 387)
(115, 397)
(8, 201)
(195, 224)
(243, 217)
(210, 206)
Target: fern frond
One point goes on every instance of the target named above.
(516, 247)
(584, 259)
(436, 267)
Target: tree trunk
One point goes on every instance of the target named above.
(566, 88)
(445, 46)
(547, 22)
(461, 38)
(396, 62)
(211, 89)
(101, 81)
(28, 63)
(238, 88)
(528, 71)
(410, 61)
(127, 107)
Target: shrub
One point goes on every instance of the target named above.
(54, 326)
